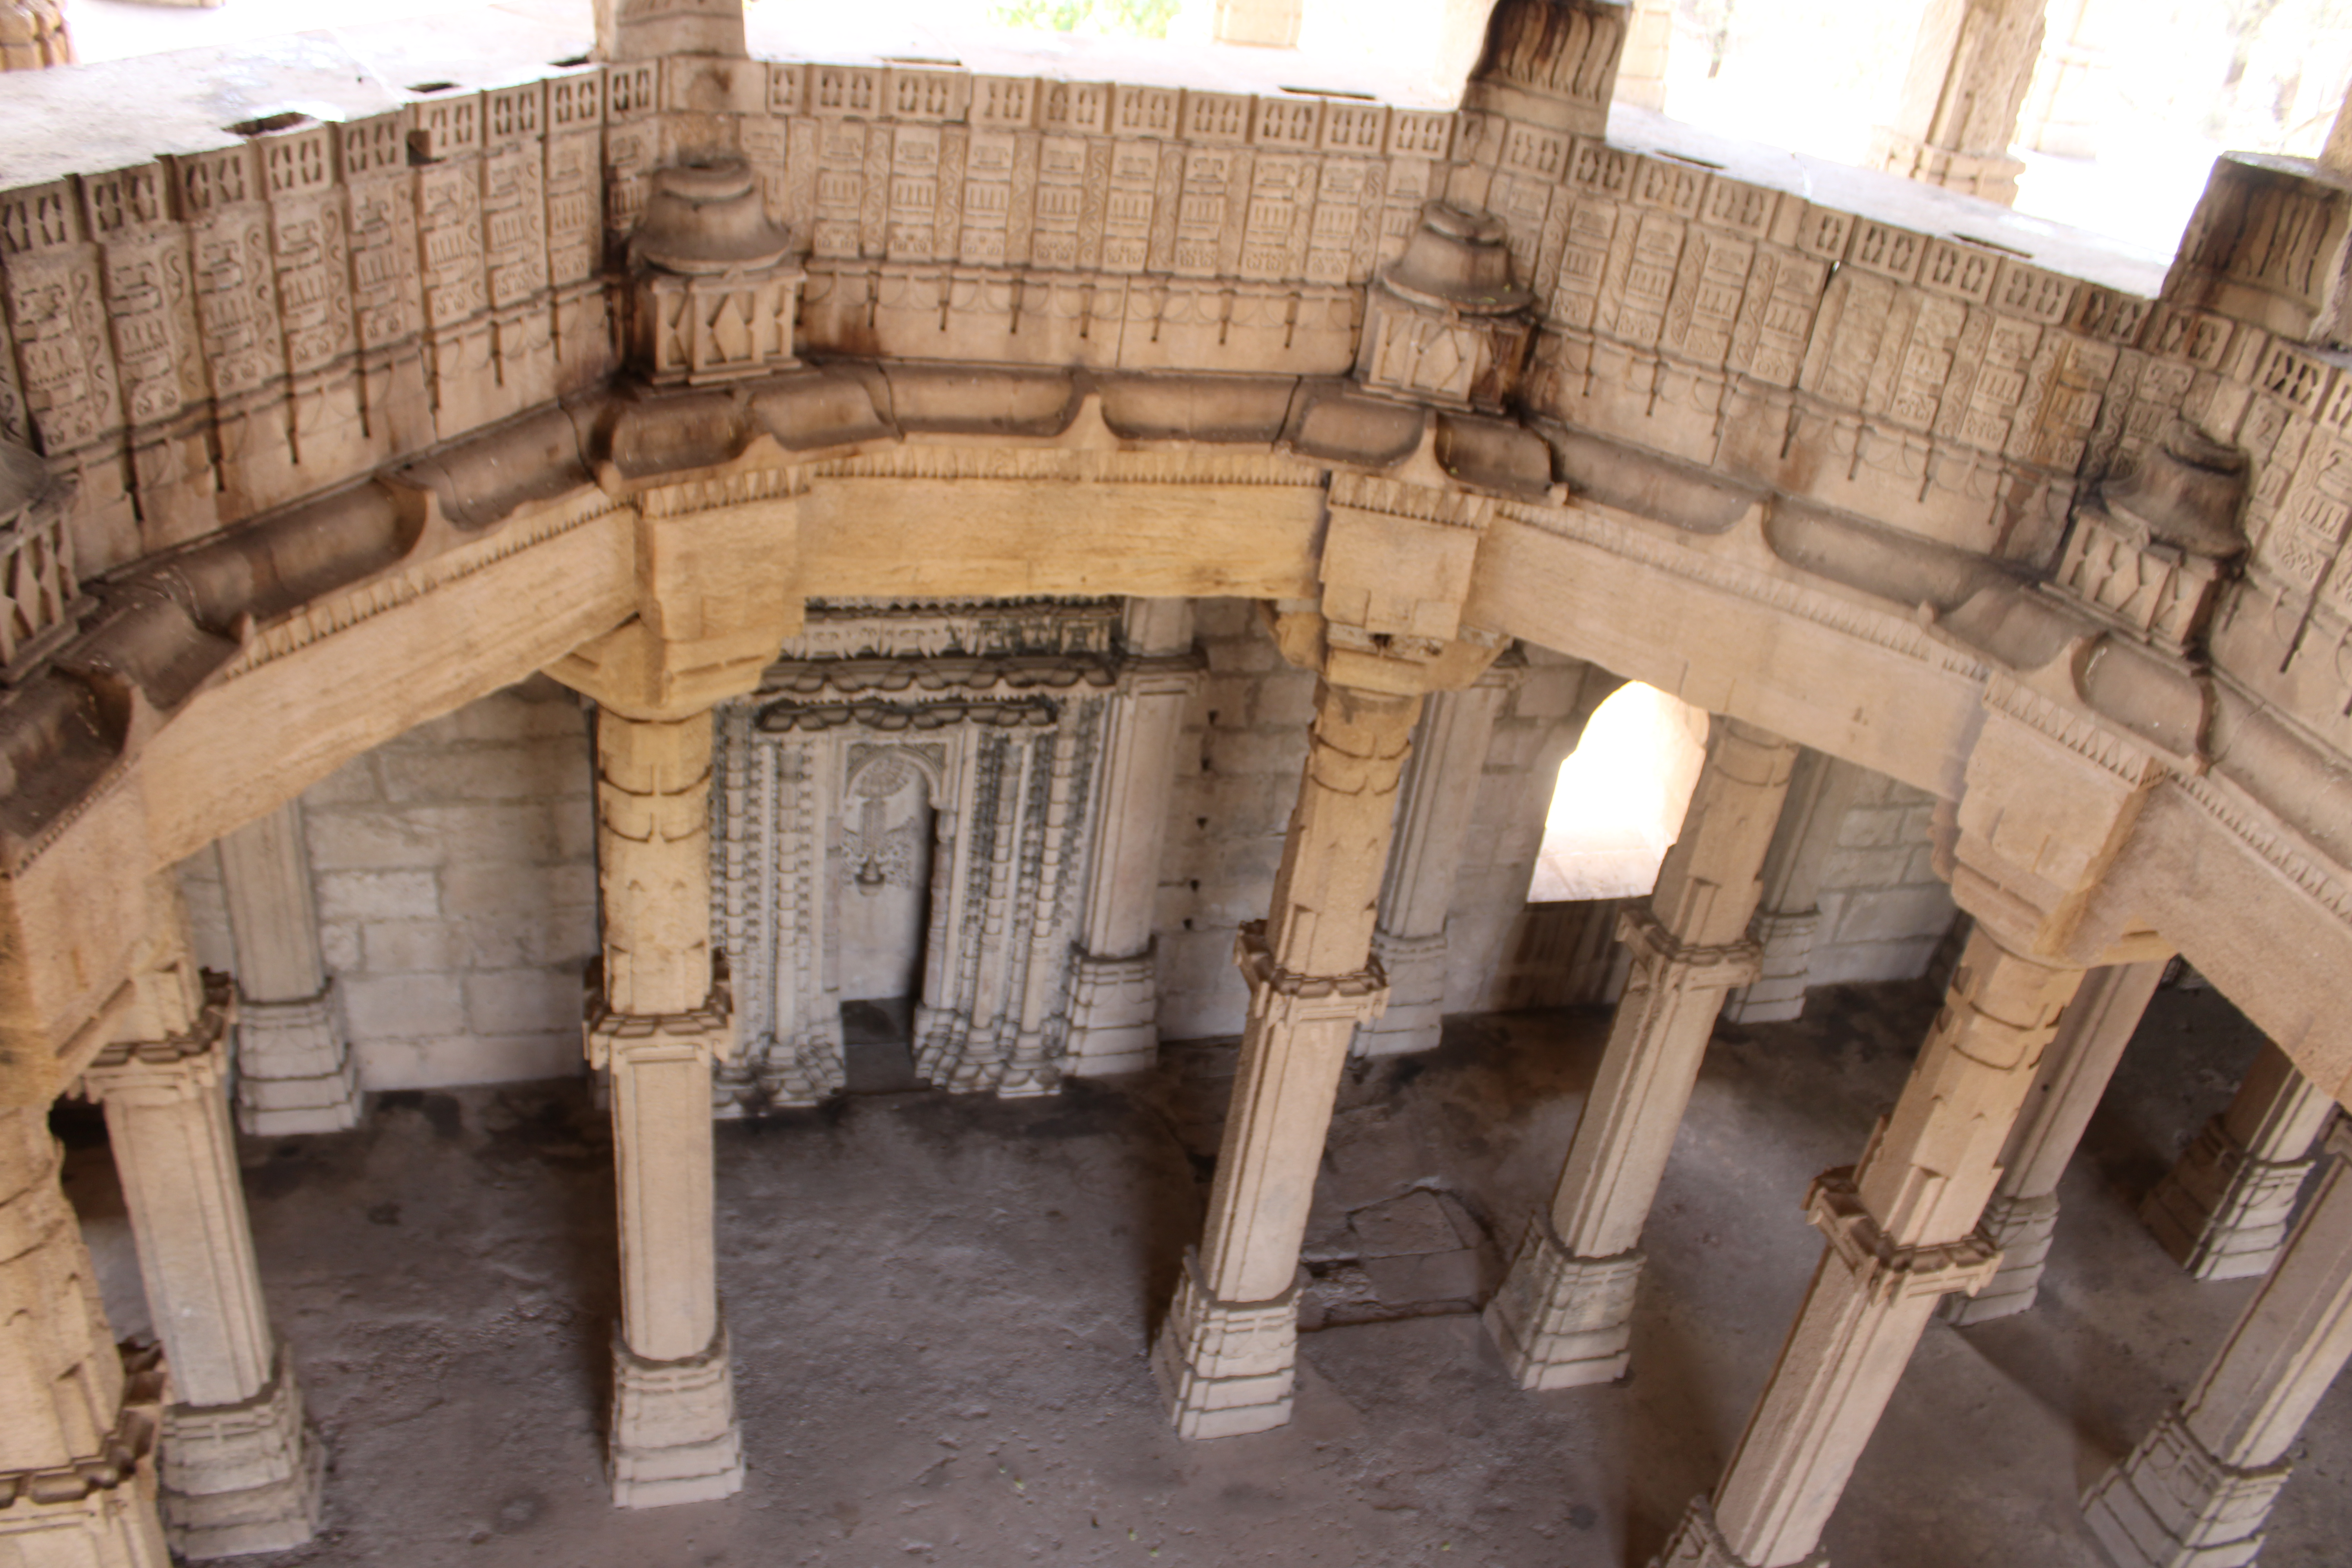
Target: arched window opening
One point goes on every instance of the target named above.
(1621, 797)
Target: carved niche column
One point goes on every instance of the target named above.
(2023, 1212)
(1902, 1232)
(2223, 1211)
(294, 1070)
(2198, 1489)
(1969, 71)
(77, 1425)
(240, 1468)
(1438, 799)
(1114, 992)
(1563, 1315)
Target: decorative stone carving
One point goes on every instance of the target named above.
(2271, 245)
(2150, 552)
(2223, 1211)
(1445, 323)
(713, 296)
(1969, 71)
(39, 593)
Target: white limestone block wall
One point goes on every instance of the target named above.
(1884, 910)
(455, 875)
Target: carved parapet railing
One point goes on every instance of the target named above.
(39, 593)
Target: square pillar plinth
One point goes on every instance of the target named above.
(675, 1438)
(1226, 1368)
(1698, 1543)
(2223, 1212)
(1114, 1015)
(2021, 1229)
(2174, 1505)
(1563, 1322)
(242, 1477)
(294, 1073)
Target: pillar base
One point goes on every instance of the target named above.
(2174, 1505)
(1416, 1010)
(242, 1477)
(2021, 1229)
(1698, 1543)
(1114, 1015)
(1992, 177)
(2221, 1213)
(675, 1438)
(1563, 1322)
(1226, 1368)
(294, 1072)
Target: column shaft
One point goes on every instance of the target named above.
(1969, 72)
(1901, 1230)
(1563, 1315)
(661, 1019)
(294, 1065)
(1649, 43)
(1437, 800)
(1788, 915)
(77, 1427)
(1225, 1354)
(2023, 1212)
(1114, 988)
(2223, 1211)
(2198, 1490)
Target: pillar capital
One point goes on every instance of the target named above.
(704, 1035)
(183, 1066)
(1286, 999)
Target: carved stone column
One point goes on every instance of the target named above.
(241, 1470)
(1649, 44)
(1563, 1315)
(2198, 1489)
(1114, 985)
(1225, 1356)
(658, 1016)
(294, 1071)
(2223, 1211)
(1789, 915)
(2023, 1212)
(1436, 803)
(77, 1419)
(1969, 72)
(1264, 23)
(1902, 1232)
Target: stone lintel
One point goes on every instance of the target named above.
(242, 1477)
(1286, 1000)
(1226, 1368)
(1686, 968)
(675, 1436)
(2173, 1505)
(1890, 1273)
(1697, 1543)
(1560, 1320)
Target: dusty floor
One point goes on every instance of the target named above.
(939, 1308)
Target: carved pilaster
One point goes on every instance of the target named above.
(295, 1072)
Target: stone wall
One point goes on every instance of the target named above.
(456, 888)
(1883, 907)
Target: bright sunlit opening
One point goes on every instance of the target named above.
(1621, 798)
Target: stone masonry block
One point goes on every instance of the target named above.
(1895, 914)
(1860, 869)
(403, 1006)
(378, 895)
(340, 946)
(353, 784)
(564, 937)
(1872, 828)
(1280, 751)
(482, 831)
(461, 1058)
(369, 839)
(409, 947)
(485, 773)
(477, 890)
(1286, 701)
(522, 1001)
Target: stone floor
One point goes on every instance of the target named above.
(939, 1308)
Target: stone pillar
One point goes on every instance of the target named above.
(2023, 1212)
(1789, 914)
(1969, 72)
(1265, 24)
(294, 1071)
(1114, 983)
(1902, 1232)
(2073, 87)
(2223, 1211)
(1563, 1315)
(33, 35)
(1437, 800)
(2198, 1489)
(658, 1016)
(1649, 43)
(77, 1419)
(639, 30)
(241, 1470)
(1225, 1356)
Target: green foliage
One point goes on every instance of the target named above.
(1111, 18)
